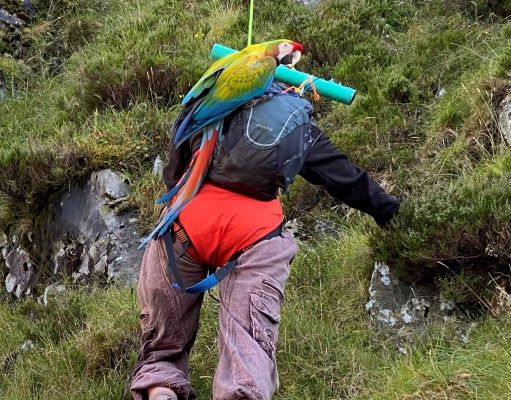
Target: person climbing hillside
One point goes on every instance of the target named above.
(224, 226)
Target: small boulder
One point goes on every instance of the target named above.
(10, 19)
(505, 119)
(26, 346)
(402, 310)
(158, 167)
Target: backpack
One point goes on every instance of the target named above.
(264, 145)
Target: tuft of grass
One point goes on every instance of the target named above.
(84, 345)
(444, 369)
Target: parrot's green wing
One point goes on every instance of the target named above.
(243, 79)
(210, 76)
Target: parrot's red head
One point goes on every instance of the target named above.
(285, 51)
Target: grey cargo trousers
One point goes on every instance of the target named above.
(249, 314)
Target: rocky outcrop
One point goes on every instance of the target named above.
(89, 237)
(81, 234)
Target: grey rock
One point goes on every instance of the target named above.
(10, 19)
(80, 234)
(108, 241)
(66, 255)
(325, 227)
(441, 92)
(293, 227)
(21, 272)
(81, 212)
(158, 167)
(116, 202)
(505, 119)
(402, 310)
(3, 92)
(52, 290)
(5, 245)
(98, 250)
(4, 240)
(309, 3)
(101, 267)
(10, 283)
(26, 346)
(109, 184)
(29, 9)
(85, 264)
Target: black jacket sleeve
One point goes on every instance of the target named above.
(325, 165)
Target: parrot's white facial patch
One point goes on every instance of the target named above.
(284, 50)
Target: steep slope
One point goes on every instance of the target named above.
(94, 84)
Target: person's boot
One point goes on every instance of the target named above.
(161, 393)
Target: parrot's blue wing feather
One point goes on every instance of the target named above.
(163, 225)
(168, 221)
(182, 133)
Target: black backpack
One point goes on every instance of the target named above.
(264, 145)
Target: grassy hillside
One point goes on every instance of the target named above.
(95, 84)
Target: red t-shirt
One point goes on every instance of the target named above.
(220, 222)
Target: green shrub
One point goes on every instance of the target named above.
(452, 223)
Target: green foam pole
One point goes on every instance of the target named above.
(250, 20)
(332, 90)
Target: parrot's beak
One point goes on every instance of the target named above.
(291, 59)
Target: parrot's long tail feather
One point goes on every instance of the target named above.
(168, 196)
(191, 181)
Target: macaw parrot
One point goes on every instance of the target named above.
(232, 81)
(229, 83)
